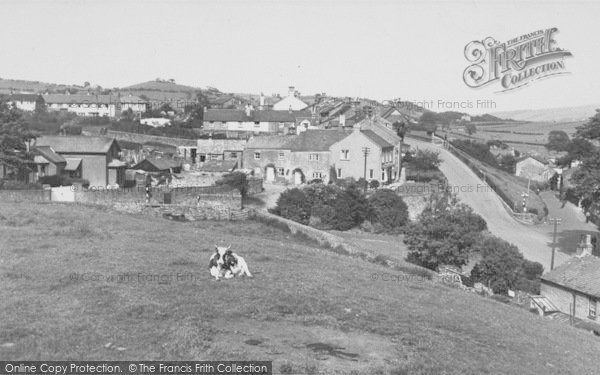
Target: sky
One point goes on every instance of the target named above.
(376, 49)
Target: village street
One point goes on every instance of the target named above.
(534, 241)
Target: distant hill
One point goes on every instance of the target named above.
(23, 86)
(160, 85)
(577, 113)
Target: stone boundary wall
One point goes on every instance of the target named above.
(143, 138)
(322, 237)
(25, 195)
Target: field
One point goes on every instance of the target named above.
(86, 283)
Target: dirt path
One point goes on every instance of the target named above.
(533, 241)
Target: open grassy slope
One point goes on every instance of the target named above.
(307, 309)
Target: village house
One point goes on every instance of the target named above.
(290, 102)
(236, 123)
(293, 158)
(97, 157)
(26, 102)
(91, 105)
(47, 162)
(574, 286)
(381, 146)
(219, 149)
(135, 103)
(534, 168)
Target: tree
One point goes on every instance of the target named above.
(508, 163)
(503, 267)
(40, 106)
(293, 204)
(471, 129)
(426, 160)
(195, 111)
(387, 211)
(400, 129)
(128, 115)
(428, 121)
(374, 184)
(14, 137)
(558, 140)
(444, 234)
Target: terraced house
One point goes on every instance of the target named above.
(294, 158)
(248, 122)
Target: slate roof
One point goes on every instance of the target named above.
(580, 274)
(48, 153)
(80, 99)
(24, 97)
(77, 145)
(219, 146)
(132, 99)
(159, 164)
(309, 140)
(377, 139)
(534, 157)
(72, 164)
(255, 116)
(218, 166)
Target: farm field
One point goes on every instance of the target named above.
(87, 283)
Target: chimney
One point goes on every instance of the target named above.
(290, 109)
(585, 245)
(249, 110)
(262, 101)
(292, 91)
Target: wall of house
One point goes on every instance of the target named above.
(563, 299)
(135, 107)
(25, 106)
(143, 138)
(267, 157)
(354, 167)
(85, 110)
(532, 169)
(310, 167)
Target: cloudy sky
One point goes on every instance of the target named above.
(377, 49)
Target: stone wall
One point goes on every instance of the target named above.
(24, 195)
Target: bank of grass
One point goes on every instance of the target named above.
(302, 301)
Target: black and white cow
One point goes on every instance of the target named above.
(227, 264)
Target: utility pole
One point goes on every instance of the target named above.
(556, 222)
(365, 151)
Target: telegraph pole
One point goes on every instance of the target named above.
(556, 222)
(365, 151)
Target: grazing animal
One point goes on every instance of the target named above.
(227, 264)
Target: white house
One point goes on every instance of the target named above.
(135, 103)
(249, 120)
(87, 105)
(290, 102)
(157, 122)
(534, 168)
(25, 102)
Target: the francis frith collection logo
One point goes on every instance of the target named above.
(515, 63)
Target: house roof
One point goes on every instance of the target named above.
(309, 140)
(579, 273)
(49, 154)
(534, 157)
(131, 99)
(255, 116)
(24, 97)
(80, 99)
(221, 100)
(159, 164)
(219, 146)
(377, 139)
(77, 144)
(218, 166)
(72, 164)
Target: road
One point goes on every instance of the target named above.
(533, 241)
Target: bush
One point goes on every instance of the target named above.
(58, 180)
(479, 151)
(387, 211)
(293, 204)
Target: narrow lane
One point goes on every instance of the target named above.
(533, 241)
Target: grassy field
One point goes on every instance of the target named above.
(85, 283)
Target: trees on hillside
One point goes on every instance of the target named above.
(558, 140)
(426, 160)
(387, 211)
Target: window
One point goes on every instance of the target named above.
(281, 156)
(382, 175)
(592, 312)
(280, 172)
(313, 157)
(257, 124)
(233, 155)
(240, 125)
(345, 155)
(370, 173)
(257, 156)
(339, 172)
(317, 175)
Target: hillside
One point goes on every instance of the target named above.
(563, 114)
(8, 85)
(160, 85)
(90, 277)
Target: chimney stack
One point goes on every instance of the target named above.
(262, 101)
(292, 91)
(249, 110)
